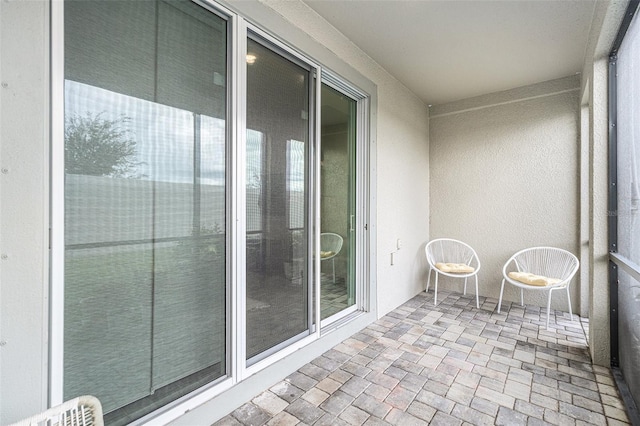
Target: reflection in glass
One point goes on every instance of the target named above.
(628, 188)
(277, 288)
(628, 96)
(338, 205)
(629, 330)
(145, 243)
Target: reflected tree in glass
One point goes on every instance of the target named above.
(96, 146)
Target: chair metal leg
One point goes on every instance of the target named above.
(333, 264)
(549, 307)
(435, 293)
(569, 300)
(500, 299)
(465, 286)
(477, 296)
(521, 297)
(428, 280)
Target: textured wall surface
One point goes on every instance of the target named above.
(403, 200)
(23, 208)
(599, 331)
(504, 176)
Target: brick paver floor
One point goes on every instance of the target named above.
(451, 364)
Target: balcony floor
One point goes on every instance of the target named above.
(451, 364)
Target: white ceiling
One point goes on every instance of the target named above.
(446, 50)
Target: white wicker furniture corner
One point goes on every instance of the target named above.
(81, 411)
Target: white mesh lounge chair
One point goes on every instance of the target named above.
(81, 411)
(330, 246)
(540, 269)
(452, 258)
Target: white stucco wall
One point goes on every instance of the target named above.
(599, 329)
(505, 176)
(23, 207)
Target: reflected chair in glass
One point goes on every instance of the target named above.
(81, 411)
(452, 258)
(540, 269)
(330, 246)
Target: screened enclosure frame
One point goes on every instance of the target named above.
(617, 261)
(238, 368)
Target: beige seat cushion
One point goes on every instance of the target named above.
(325, 254)
(455, 268)
(532, 279)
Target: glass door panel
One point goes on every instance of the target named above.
(338, 202)
(145, 199)
(277, 193)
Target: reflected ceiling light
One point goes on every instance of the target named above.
(251, 58)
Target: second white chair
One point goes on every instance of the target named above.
(540, 269)
(452, 258)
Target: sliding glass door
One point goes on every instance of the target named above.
(145, 201)
(279, 104)
(190, 254)
(338, 206)
(625, 202)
